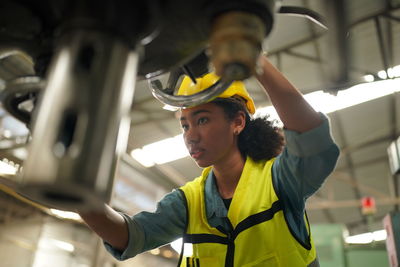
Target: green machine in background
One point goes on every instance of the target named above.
(332, 250)
(329, 242)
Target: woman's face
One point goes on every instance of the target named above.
(208, 134)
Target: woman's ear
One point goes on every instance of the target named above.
(239, 122)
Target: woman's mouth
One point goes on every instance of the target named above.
(195, 154)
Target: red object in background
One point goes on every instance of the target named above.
(368, 205)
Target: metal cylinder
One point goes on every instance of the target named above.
(235, 44)
(82, 123)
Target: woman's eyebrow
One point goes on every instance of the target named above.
(195, 113)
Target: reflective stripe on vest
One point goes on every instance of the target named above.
(259, 235)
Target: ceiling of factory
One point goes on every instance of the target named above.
(313, 59)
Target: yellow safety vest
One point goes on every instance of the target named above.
(259, 234)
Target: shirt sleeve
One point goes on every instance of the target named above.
(306, 161)
(148, 230)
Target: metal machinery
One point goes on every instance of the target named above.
(87, 56)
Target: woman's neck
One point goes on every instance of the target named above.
(228, 174)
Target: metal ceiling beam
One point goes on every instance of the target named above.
(338, 56)
(317, 49)
(350, 149)
(327, 213)
(309, 39)
(381, 43)
(302, 56)
(355, 224)
(385, 12)
(353, 203)
(300, 42)
(365, 163)
(290, 52)
(314, 38)
(389, 34)
(360, 186)
(391, 17)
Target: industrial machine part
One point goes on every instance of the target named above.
(87, 60)
(235, 43)
(82, 122)
(20, 91)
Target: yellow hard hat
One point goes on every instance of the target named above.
(237, 88)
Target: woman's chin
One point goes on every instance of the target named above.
(202, 163)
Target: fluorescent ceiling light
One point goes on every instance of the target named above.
(389, 73)
(366, 238)
(379, 235)
(167, 150)
(369, 78)
(142, 157)
(395, 71)
(355, 95)
(7, 168)
(161, 152)
(382, 74)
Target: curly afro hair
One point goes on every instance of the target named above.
(261, 139)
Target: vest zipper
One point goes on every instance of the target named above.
(230, 253)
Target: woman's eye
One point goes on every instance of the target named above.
(184, 127)
(202, 120)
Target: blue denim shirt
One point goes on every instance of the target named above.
(298, 172)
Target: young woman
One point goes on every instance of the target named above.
(247, 207)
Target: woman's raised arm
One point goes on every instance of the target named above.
(294, 111)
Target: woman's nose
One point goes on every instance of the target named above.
(191, 136)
